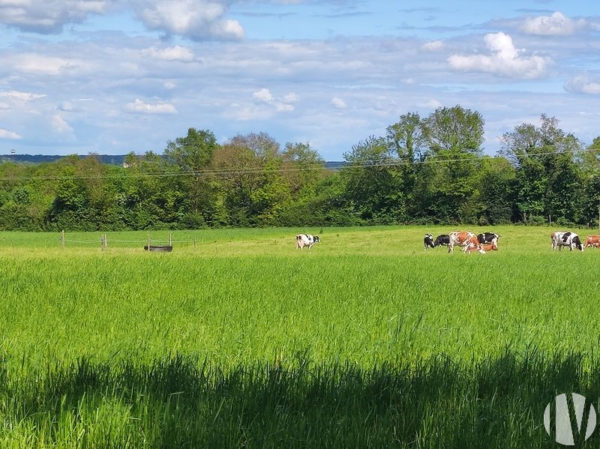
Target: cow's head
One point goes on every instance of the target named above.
(577, 242)
(316, 239)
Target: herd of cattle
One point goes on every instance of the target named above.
(487, 241)
(471, 242)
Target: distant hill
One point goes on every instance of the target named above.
(41, 158)
(113, 159)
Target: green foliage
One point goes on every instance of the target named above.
(424, 170)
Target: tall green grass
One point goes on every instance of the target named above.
(366, 340)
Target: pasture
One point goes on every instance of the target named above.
(240, 340)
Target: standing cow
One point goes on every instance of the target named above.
(309, 240)
(570, 239)
(488, 237)
(592, 240)
(465, 240)
(428, 241)
(442, 240)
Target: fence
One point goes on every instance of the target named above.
(105, 241)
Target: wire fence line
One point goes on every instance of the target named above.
(104, 241)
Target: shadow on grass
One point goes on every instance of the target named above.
(180, 402)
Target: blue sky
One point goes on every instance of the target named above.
(113, 76)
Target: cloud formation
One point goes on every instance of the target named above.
(264, 95)
(48, 16)
(21, 96)
(583, 84)
(176, 53)
(556, 24)
(150, 108)
(504, 60)
(195, 19)
(6, 134)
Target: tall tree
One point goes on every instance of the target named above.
(454, 137)
(454, 130)
(549, 180)
(192, 154)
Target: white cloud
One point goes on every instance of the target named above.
(433, 46)
(21, 96)
(284, 107)
(176, 53)
(504, 60)
(6, 134)
(38, 64)
(151, 108)
(196, 19)
(263, 95)
(338, 103)
(555, 25)
(430, 104)
(583, 84)
(48, 16)
(291, 97)
(60, 125)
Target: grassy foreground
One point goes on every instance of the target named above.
(237, 339)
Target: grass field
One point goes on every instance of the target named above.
(237, 339)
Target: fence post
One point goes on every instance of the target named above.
(62, 239)
(170, 239)
(148, 242)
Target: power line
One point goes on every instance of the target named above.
(258, 170)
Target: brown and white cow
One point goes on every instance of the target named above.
(592, 240)
(484, 246)
(464, 239)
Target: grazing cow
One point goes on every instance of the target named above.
(428, 241)
(464, 239)
(570, 239)
(592, 240)
(442, 240)
(303, 240)
(488, 237)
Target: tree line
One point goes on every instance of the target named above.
(423, 170)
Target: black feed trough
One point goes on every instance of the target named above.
(159, 248)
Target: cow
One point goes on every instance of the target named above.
(592, 240)
(570, 239)
(442, 240)
(464, 239)
(428, 241)
(488, 237)
(485, 247)
(309, 240)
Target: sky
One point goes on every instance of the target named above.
(115, 76)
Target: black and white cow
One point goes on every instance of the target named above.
(428, 241)
(570, 239)
(309, 240)
(488, 237)
(442, 240)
